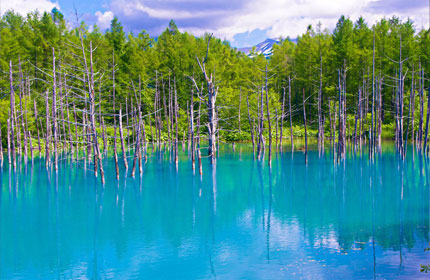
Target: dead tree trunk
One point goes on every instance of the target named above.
(63, 120)
(400, 96)
(136, 150)
(261, 126)
(277, 128)
(91, 93)
(210, 103)
(306, 131)
(8, 141)
(371, 135)
(268, 116)
(411, 101)
(340, 134)
(192, 129)
(36, 121)
(170, 118)
(76, 131)
(47, 135)
(291, 115)
(198, 141)
(115, 151)
(380, 117)
(121, 136)
(357, 117)
(12, 115)
(176, 123)
(54, 111)
(187, 136)
(238, 114)
(251, 127)
(421, 120)
(21, 93)
(320, 120)
(427, 121)
(344, 109)
(282, 120)
(334, 133)
(1, 148)
(166, 119)
(104, 136)
(72, 147)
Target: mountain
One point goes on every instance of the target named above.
(264, 48)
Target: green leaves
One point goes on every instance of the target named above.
(318, 54)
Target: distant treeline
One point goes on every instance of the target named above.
(390, 58)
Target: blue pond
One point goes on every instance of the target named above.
(240, 220)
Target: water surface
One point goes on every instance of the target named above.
(240, 220)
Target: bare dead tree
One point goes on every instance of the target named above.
(282, 119)
(210, 103)
(54, 111)
(266, 86)
(251, 126)
(291, 114)
(12, 115)
(306, 131)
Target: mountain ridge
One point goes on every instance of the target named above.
(265, 48)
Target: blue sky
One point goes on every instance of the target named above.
(242, 22)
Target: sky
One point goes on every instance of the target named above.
(242, 22)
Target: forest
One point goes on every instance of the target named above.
(65, 88)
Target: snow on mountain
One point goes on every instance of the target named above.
(265, 48)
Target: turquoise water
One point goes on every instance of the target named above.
(240, 220)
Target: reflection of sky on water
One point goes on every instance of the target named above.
(240, 220)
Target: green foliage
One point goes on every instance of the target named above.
(143, 64)
(236, 136)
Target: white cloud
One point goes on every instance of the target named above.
(226, 18)
(104, 19)
(26, 6)
(177, 14)
(291, 17)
